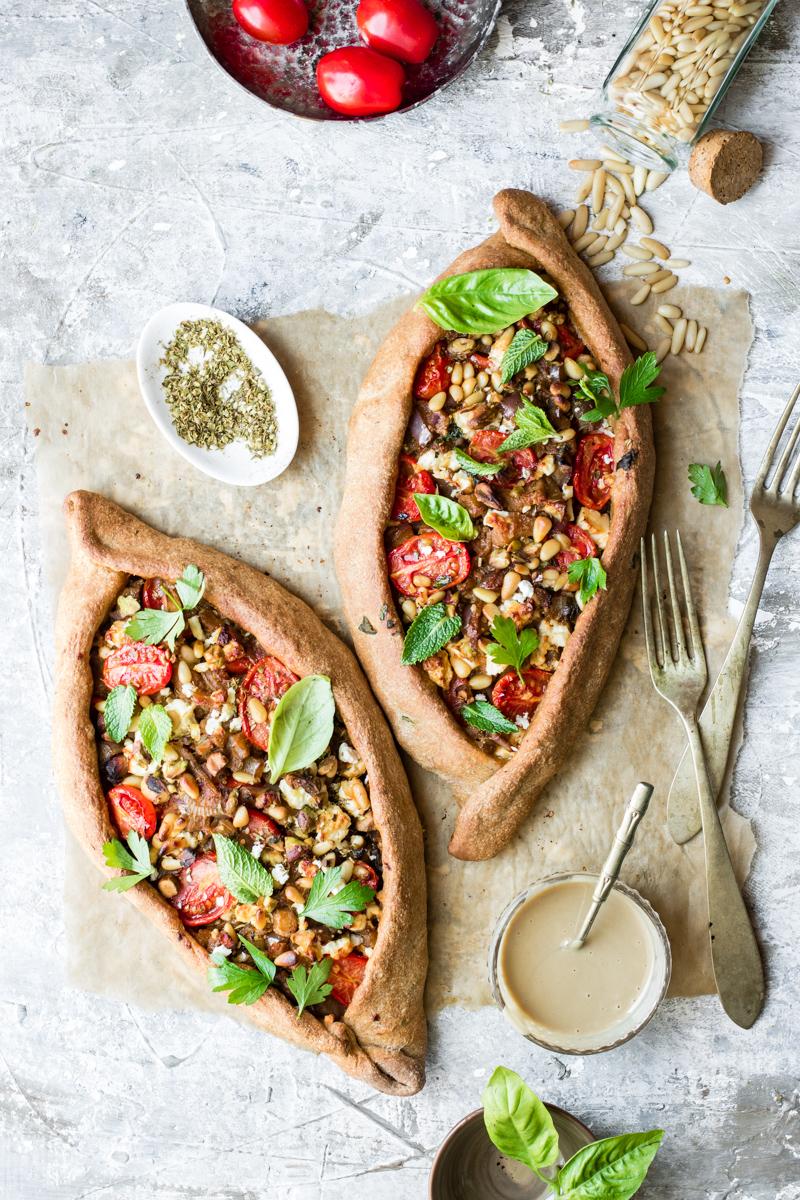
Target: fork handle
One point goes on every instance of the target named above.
(718, 717)
(735, 957)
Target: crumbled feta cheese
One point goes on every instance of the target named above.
(523, 720)
(235, 725)
(280, 874)
(426, 459)
(462, 480)
(347, 754)
(213, 721)
(525, 589)
(256, 849)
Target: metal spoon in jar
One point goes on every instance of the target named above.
(623, 840)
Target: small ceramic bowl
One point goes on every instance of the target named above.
(234, 464)
(650, 998)
(468, 1166)
(285, 76)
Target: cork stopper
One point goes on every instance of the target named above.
(726, 163)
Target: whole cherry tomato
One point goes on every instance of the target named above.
(432, 374)
(154, 595)
(131, 810)
(280, 22)
(582, 546)
(346, 974)
(444, 563)
(202, 897)
(147, 668)
(593, 474)
(515, 697)
(402, 28)
(266, 681)
(409, 481)
(360, 82)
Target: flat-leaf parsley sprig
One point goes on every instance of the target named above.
(636, 386)
(154, 625)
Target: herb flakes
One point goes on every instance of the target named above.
(214, 393)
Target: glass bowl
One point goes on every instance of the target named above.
(284, 76)
(648, 1002)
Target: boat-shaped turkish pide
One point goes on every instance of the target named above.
(221, 750)
(499, 476)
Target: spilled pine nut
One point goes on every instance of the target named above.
(642, 294)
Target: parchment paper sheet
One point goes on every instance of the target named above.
(94, 432)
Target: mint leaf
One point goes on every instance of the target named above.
(532, 426)
(486, 301)
(446, 516)
(241, 873)
(611, 1169)
(155, 730)
(154, 625)
(709, 484)
(243, 984)
(335, 910)
(309, 987)
(431, 629)
(517, 1121)
(590, 574)
(635, 386)
(302, 725)
(510, 648)
(477, 468)
(526, 347)
(118, 711)
(483, 715)
(136, 860)
(191, 586)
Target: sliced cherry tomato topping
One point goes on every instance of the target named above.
(444, 563)
(409, 481)
(481, 361)
(280, 22)
(582, 546)
(593, 473)
(485, 447)
(154, 595)
(346, 974)
(401, 28)
(148, 668)
(266, 680)
(360, 82)
(432, 374)
(517, 698)
(569, 342)
(131, 810)
(202, 896)
(367, 875)
(261, 826)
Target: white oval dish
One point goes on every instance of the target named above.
(234, 464)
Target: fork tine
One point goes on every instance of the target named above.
(698, 651)
(677, 620)
(649, 633)
(775, 439)
(666, 645)
(786, 457)
(794, 479)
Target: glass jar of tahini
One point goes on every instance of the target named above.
(672, 73)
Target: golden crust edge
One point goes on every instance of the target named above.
(107, 545)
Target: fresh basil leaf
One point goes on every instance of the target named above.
(635, 386)
(709, 484)
(155, 730)
(241, 874)
(509, 648)
(243, 984)
(446, 516)
(526, 347)
(118, 711)
(474, 467)
(263, 962)
(517, 1121)
(590, 574)
(335, 910)
(309, 987)
(154, 625)
(483, 715)
(533, 426)
(612, 1169)
(136, 859)
(486, 301)
(191, 586)
(302, 725)
(431, 629)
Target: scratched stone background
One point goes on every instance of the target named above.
(133, 174)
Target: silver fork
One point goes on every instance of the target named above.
(679, 673)
(776, 510)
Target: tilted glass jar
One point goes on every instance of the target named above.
(673, 72)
